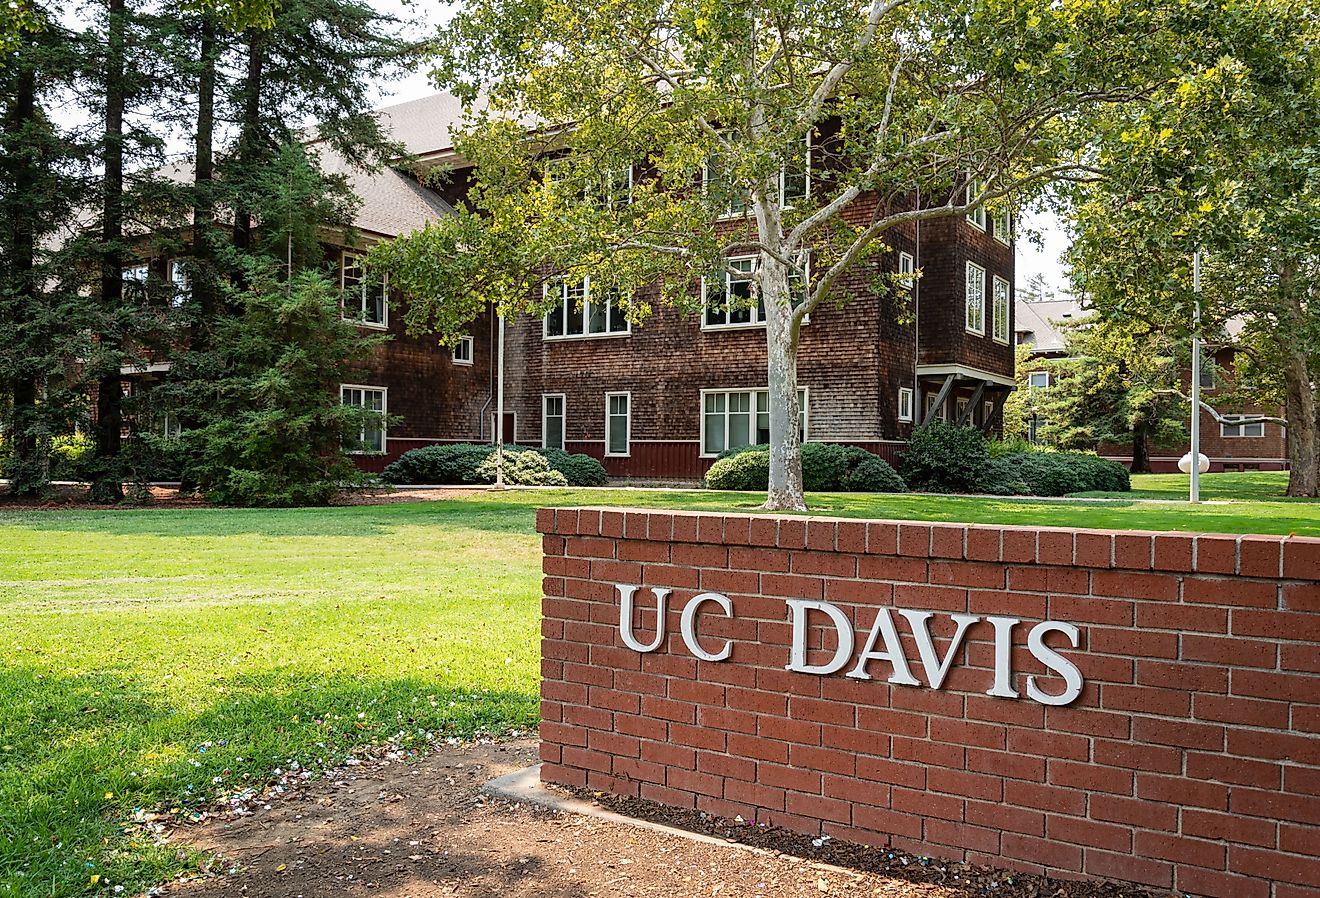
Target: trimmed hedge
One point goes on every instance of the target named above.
(522, 467)
(466, 463)
(945, 458)
(1060, 473)
(826, 467)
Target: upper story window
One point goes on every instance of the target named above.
(574, 312)
(1208, 374)
(1003, 225)
(975, 299)
(907, 270)
(364, 293)
(180, 283)
(726, 297)
(975, 187)
(613, 188)
(794, 183)
(134, 280)
(1000, 314)
(1038, 380)
(462, 352)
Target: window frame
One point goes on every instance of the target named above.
(987, 411)
(967, 297)
(1005, 234)
(1241, 429)
(756, 319)
(804, 413)
(470, 344)
(180, 284)
(960, 406)
(384, 413)
(1007, 304)
(1031, 382)
(728, 213)
(627, 427)
(905, 394)
(941, 412)
(907, 269)
(563, 420)
(363, 283)
(586, 334)
(976, 217)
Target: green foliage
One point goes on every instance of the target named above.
(450, 463)
(579, 469)
(826, 467)
(456, 463)
(268, 431)
(521, 468)
(71, 457)
(946, 458)
(1061, 473)
(1014, 445)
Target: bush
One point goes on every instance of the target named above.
(581, 470)
(740, 471)
(1011, 446)
(466, 463)
(826, 467)
(1002, 478)
(946, 458)
(440, 464)
(522, 467)
(1060, 473)
(72, 457)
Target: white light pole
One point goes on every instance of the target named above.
(499, 408)
(1196, 380)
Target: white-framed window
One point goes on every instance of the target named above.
(905, 403)
(907, 270)
(932, 411)
(1208, 374)
(575, 314)
(618, 423)
(462, 351)
(1038, 380)
(135, 279)
(1003, 226)
(976, 217)
(371, 437)
(1240, 430)
(364, 293)
(552, 420)
(960, 407)
(987, 411)
(975, 299)
(731, 419)
(614, 187)
(1002, 298)
(794, 183)
(726, 297)
(180, 283)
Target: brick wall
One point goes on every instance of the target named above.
(1190, 759)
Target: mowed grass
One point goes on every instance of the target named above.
(156, 658)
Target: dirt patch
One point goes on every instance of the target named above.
(416, 830)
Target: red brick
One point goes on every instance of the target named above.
(963, 784)
(1173, 552)
(1260, 556)
(1093, 834)
(1084, 609)
(1297, 839)
(1054, 547)
(829, 564)
(1229, 827)
(1275, 805)
(1173, 675)
(882, 820)
(692, 781)
(1134, 812)
(1041, 851)
(1277, 686)
(1301, 558)
(1182, 618)
(1229, 650)
(1216, 554)
(983, 543)
(1301, 596)
(881, 538)
(675, 798)
(1134, 551)
(851, 537)
(758, 795)
(1237, 592)
(1005, 817)
(914, 540)
(1129, 868)
(895, 773)
(764, 531)
(563, 776)
(1155, 732)
(1007, 764)
(1236, 709)
(963, 836)
(821, 534)
(792, 533)
(1193, 881)
(928, 804)
(1242, 771)
(1093, 550)
(1273, 865)
(1089, 777)
(1044, 797)
(1298, 747)
(1135, 585)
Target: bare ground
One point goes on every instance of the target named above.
(416, 830)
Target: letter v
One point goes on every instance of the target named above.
(936, 670)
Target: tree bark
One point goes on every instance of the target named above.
(1140, 448)
(249, 127)
(785, 491)
(108, 486)
(27, 477)
(203, 251)
(1303, 429)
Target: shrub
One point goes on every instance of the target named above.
(1002, 478)
(581, 470)
(739, 450)
(440, 464)
(1060, 473)
(71, 457)
(522, 467)
(946, 458)
(826, 467)
(740, 471)
(1011, 446)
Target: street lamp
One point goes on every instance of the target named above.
(1194, 462)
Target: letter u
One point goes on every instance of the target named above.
(626, 617)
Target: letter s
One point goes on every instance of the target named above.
(1072, 677)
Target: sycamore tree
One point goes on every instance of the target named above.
(1224, 159)
(640, 143)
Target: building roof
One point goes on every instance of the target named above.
(393, 202)
(425, 125)
(1038, 323)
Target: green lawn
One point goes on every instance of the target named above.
(155, 658)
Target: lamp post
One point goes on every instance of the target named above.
(499, 406)
(1195, 496)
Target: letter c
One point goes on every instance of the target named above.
(688, 624)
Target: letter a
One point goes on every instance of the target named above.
(893, 653)
(626, 617)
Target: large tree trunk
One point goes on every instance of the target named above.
(1140, 448)
(204, 289)
(27, 476)
(109, 398)
(249, 127)
(1303, 429)
(785, 489)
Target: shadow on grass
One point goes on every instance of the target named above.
(82, 751)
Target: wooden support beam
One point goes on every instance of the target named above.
(965, 417)
(940, 399)
(995, 412)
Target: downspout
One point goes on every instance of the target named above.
(918, 404)
(490, 388)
